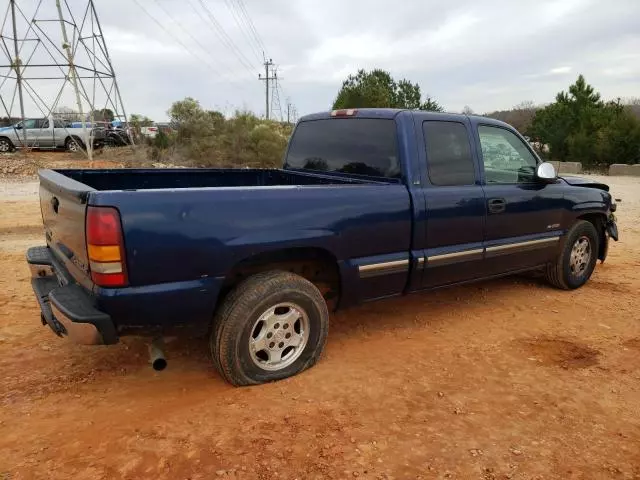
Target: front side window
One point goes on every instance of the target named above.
(28, 124)
(449, 159)
(506, 158)
(361, 146)
(43, 123)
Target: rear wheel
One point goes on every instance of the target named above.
(73, 145)
(6, 145)
(578, 258)
(271, 326)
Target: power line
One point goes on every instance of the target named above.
(225, 39)
(181, 27)
(249, 22)
(246, 31)
(178, 41)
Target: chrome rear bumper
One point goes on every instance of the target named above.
(68, 309)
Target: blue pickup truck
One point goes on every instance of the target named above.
(369, 204)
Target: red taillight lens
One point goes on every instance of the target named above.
(105, 247)
(103, 226)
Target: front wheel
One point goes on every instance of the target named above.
(6, 145)
(578, 258)
(271, 326)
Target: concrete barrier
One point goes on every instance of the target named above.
(618, 169)
(567, 167)
(570, 167)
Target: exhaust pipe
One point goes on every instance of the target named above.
(156, 354)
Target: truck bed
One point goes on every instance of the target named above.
(146, 179)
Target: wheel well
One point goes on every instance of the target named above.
(6, 138)
(599, 221)
(315, 264)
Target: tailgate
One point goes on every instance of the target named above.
(63, 202)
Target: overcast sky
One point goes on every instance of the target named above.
(487, 54)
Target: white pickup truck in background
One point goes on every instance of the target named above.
(49, 133)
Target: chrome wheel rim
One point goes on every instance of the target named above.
(580, 256)
(279, 336)
(73, 146)
(4, 146)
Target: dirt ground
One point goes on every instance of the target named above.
(507, 379)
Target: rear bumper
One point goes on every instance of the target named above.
(67, 308)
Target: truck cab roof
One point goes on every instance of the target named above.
(390, 113)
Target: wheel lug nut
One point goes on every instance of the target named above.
(277, 325)
(288, 335)
(271, 345)
(286, 325)
(281, 344)
(269, 335)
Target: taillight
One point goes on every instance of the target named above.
(105, 247)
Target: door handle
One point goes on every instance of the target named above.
(497, 205)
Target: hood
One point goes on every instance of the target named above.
(4, 129)
(584, 182)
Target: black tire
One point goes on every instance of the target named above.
(560, 273)
(70, 142)
(235, 324)
(6, 145)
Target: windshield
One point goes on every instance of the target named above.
(359, 146)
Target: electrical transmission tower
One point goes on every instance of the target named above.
(276, 108)
(56, 56)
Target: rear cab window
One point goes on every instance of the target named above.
(360, 146)
(449, 159)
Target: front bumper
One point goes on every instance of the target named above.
(66, 307)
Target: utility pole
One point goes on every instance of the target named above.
(290, 111)
(74, 80)
(18, 66)
(266, 78)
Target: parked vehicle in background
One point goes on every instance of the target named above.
(149, 132)
(370, 203)
(47, 133)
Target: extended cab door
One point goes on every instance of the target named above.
(455, 202)
(44, 133)
(523, 215)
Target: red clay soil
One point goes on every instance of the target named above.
(507, 379)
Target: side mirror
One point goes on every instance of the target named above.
(18, 127)
(546, 172)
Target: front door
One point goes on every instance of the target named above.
(455, 205)
(28, 127)
(524, 215)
